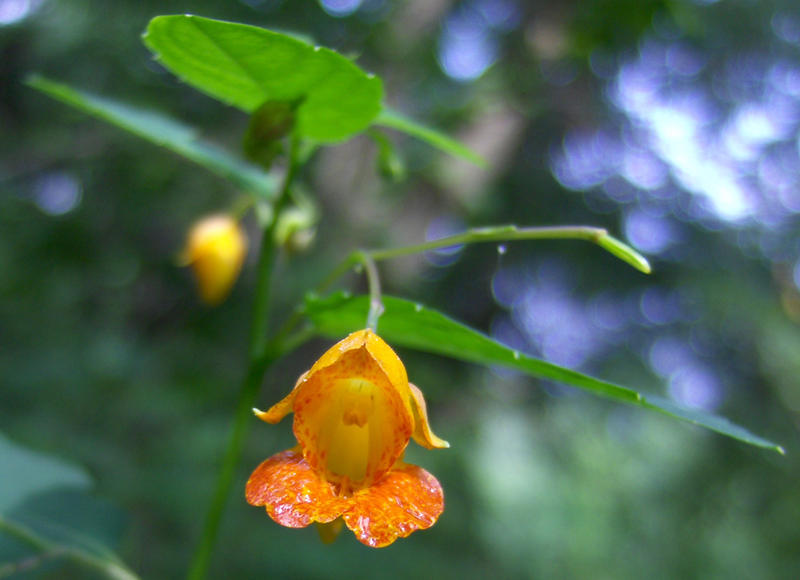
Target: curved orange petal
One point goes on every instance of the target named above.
(388, 360)
(352, 341)
(423, 434)
(407, 499)
(293, 494)
(283, 407)
(380, 352)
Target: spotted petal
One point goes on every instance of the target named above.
(293, 494)
(408, 498)
(351, 420)
(283, 407)
(423, 434)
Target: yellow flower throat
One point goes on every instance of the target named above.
(348, 437)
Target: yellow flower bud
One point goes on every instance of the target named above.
(215, 249)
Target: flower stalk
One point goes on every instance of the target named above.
(374, 283)
(262, 353)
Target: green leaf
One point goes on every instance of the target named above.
(27, 472)
(411, 325)
(68, 522)
(246, 66)
(47, 513)
(165, 132)
(394, 120)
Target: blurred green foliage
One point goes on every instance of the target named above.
(108, 359)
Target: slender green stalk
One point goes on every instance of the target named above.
(108, 566)
(260, 327)
(375, 302)
(247, 399)
(513, 233)
(508, 233)
(262, 354)
(338, 271)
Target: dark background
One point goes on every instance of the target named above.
(674, 124)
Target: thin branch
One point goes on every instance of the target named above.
(373, 280)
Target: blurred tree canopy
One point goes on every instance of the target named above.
(673, 124)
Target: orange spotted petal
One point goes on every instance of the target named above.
(351, 421)
(293, 494)
(283, 407)
(423, 434)
(407, 499)
(354, 340)
(388, 360)
(380, 352)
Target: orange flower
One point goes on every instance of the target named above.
(215, 250)
(354, 413)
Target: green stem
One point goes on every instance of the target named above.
(247, 399)
(509, 233)
(375, 302)
(259, 330)
(598, 236)
(261, 355)
(513, 233)
(107, 566)
(338, 271)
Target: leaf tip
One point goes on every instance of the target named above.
(624, 252)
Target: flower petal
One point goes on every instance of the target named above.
(388, 360)
(354, 340)
(283, 407)
(293, 494)
(407, 499)
(352, 423)
(380, 352)
(423, 434)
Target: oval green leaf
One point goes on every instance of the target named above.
(411, 325)
(246, 66)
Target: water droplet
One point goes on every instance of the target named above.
(516, 355)
(501, 249)
(417, 307)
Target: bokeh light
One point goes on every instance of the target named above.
(469, 42)
(340, 8)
